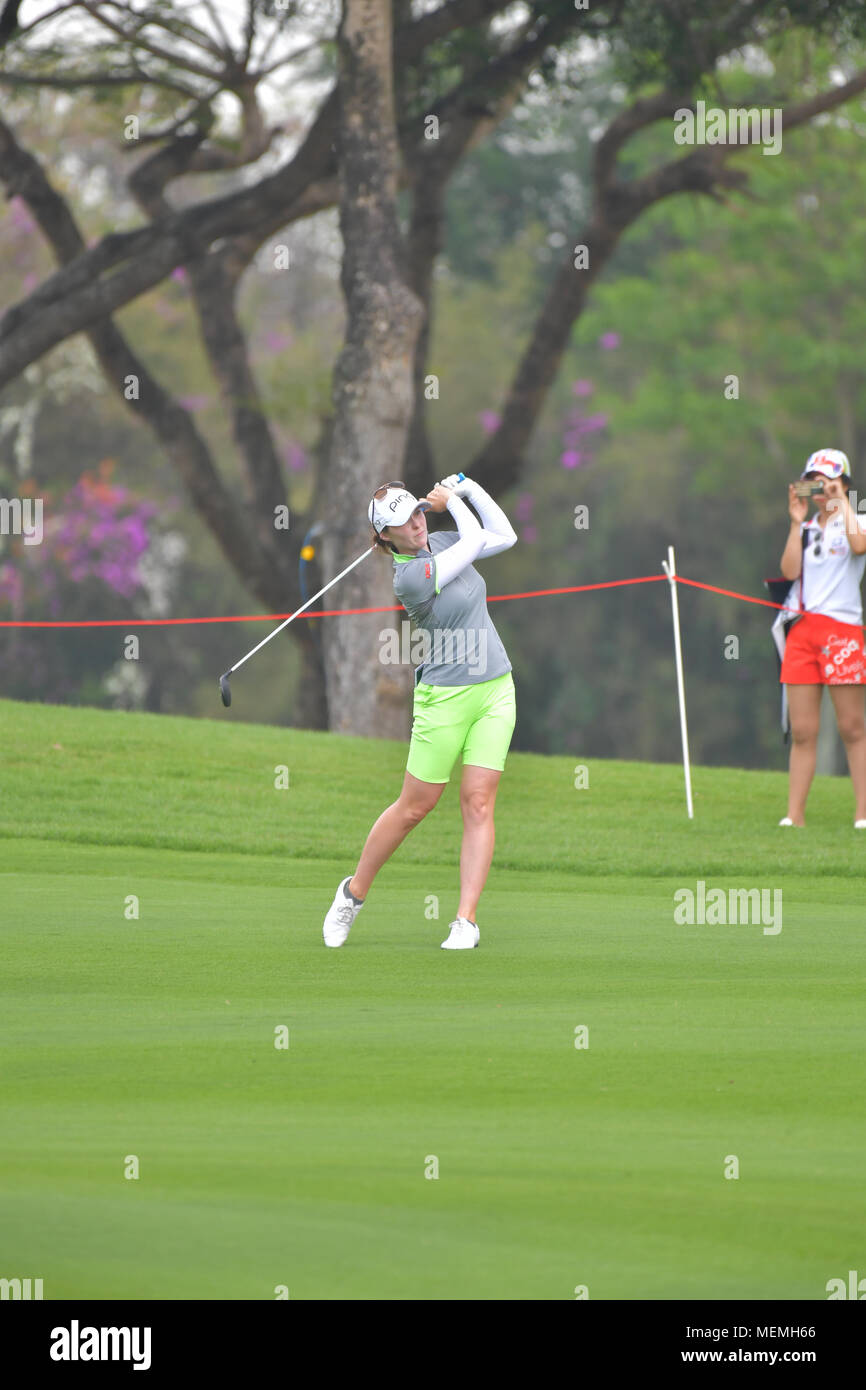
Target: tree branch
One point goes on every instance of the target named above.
(75, 297)
(214, 13)
(214, 279)
(82, 80)
(627, 123)
(803, 111)
(479, 103)
(616, 207)
(79, 294)
(155, 407)
(155, 50)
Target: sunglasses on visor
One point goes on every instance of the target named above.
(380, 491)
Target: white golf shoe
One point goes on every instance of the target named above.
(341, 915)
(464, 935)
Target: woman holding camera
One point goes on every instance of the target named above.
(826, 557)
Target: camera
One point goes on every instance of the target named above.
(808, 489)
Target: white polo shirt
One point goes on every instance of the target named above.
(831, 576)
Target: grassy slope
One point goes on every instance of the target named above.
(306, 1167)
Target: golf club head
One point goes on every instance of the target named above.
(225, 690)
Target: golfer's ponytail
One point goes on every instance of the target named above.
(381, 544)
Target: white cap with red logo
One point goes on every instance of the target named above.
(830, 463)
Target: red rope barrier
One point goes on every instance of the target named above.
(395, 608)
(326, 613)
(731, 593)
(747, 598)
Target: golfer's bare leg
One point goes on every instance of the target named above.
(849, 702)
(477, 799)
(804, 706)
(392, 827)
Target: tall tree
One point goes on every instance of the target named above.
(373, 375)
(453, 65)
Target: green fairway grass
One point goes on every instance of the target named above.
(304, 1167)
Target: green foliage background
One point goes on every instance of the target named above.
(764, 288)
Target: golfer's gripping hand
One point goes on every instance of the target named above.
(499, 534)
(463, 487)
(438, 497)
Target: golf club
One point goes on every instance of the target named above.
(225, 688)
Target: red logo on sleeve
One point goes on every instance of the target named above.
(428, 571)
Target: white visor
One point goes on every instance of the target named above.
(394, 508)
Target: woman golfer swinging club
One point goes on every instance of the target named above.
(464, 693)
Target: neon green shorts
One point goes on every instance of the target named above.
(447, 720)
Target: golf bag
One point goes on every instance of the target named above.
(780, 590)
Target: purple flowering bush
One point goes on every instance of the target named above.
(97, 532)
(87, 566)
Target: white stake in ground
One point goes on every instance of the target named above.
(670, 568)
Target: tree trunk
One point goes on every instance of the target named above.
(372, 392)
